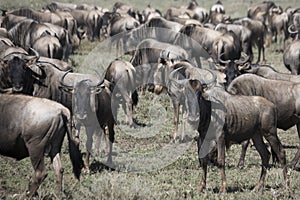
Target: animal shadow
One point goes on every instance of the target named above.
(96, 167)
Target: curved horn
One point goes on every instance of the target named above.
(8, 56)
(161, 54)
(37, 55)
(213, 79)
(223, 61)
(62, 80)
(172, 78)
(290, 29)
(244, 58)
(100, 82)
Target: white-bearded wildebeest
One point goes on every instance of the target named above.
(12, 59)
(44, 80)
(35, 127)
(260, 123)
(284, 94)
(148, 54)
(91, 101)
(258, 30)
(122, 76)
(162, 81)
(158, 28)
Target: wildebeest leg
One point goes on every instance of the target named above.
(277, 148)
(297, 156)
(111, 139)
(202, 185)
(176, 118)
(98, 132)
(40, 174)
(221, 162)
(89, 143)
(127, 107)
(184, 122)
(259, 50)
(203, 164)
(115, 106)
(245, 145)
(58, 172)
(265, 157)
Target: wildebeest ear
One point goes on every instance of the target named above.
(98, 89)
(196, 85)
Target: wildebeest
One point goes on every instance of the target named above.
(26, 32)
(270, 73)
(258, 30)
(261, 123)
(89, 20)
(60, 18)
(117, 29)
(122, 76)
(26, 131)
(278, 25)
(284, 94)
(243, 33)
(260, 11)
(147, 55)
(158, 28)
(291, 57)
(197, 40)
(48, 46)
(59, 64)
(91, 103)
(162, 81)
(14, 59)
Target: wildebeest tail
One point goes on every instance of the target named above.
(74, 151)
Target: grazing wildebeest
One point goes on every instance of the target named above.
(35, 127)
(291, 57)
(258, 30)
(117, 29)
(122, 76)
(158, 28)
(197, 40)
(60, 18)
(284, 94)
(91, 103)
(261, 123)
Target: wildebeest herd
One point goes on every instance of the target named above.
(202, 58)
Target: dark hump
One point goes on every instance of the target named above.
(155, 22)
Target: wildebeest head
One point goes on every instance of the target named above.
(17, 65)
(191, 90)
(83, 96)
(232, 68)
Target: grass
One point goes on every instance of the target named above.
(148, 167)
